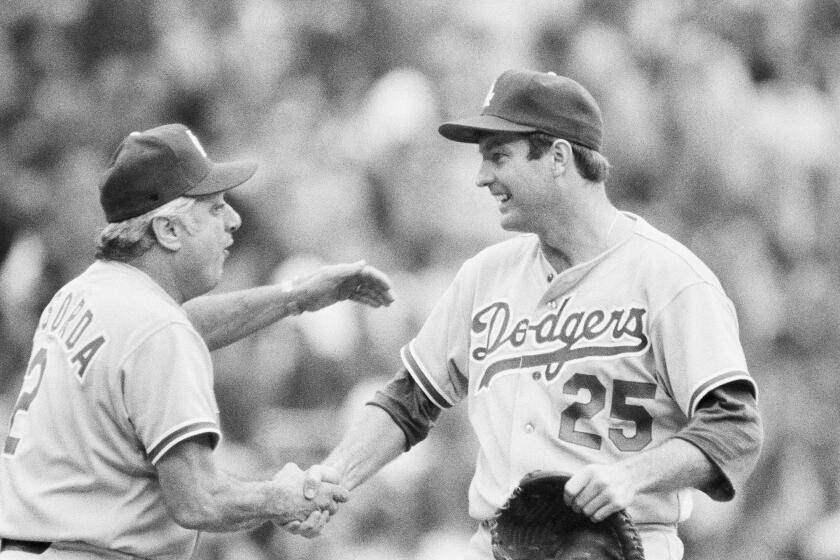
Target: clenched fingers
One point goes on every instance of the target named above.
(372, 287)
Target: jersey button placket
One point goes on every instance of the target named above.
(524, 446)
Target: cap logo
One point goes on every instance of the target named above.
(490, 94)
(195, 142)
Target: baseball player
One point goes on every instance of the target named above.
(109, 451)
(591, 344)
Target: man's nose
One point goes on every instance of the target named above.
(485, 177)
(234, 220)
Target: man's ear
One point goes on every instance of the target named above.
(561, 151)
(167, 231)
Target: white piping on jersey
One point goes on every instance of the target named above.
(409, 359)
(202, 425)
(711, 383)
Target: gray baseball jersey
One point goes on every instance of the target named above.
(606, 359)
(118, 376)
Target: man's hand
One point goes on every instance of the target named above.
(314, 524)
(315, 510)
(338, 282)
(598, 491)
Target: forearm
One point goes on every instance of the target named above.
(714, 453)
(226, 504)
(225, 318)
(236, 507)
(371, 443)
(673, 465)
(200, 496)
(222, 319)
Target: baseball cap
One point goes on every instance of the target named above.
(158, 165)
(529, 101)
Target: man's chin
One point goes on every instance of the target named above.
(207, 285)
(509, 224)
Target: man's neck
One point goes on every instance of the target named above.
(161, 272)
(582, 237)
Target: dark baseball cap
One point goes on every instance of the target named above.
(158, 165)
(529, 101)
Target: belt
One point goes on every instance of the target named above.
(32, 547)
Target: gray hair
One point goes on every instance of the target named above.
(131, 238)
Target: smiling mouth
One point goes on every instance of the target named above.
(502, 197)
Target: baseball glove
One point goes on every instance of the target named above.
(536, 524)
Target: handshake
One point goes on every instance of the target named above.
(306, 499)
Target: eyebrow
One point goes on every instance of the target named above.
(490, 145)
(496, 141)
(212, 197)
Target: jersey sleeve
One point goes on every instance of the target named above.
(437, 357)
(727, 428)
(408, 406)
(697, 346)
(168, 390)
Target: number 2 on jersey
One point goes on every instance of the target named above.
(36, 370)
(620, 410)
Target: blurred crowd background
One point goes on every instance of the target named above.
(721, 123)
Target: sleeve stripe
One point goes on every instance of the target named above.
(428, 385)
(721, 379)
(181, 433)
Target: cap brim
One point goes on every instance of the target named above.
(471, 130)
(224, 176)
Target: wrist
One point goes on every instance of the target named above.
(288, 288)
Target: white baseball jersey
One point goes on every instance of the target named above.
(606, 359)
(118, 375)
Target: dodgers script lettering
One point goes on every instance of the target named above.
(569, 336)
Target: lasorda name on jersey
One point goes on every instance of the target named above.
(582, 334)
(68, 319)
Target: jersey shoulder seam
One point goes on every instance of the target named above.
(699, 282)
(695, 264)
(170, 323)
